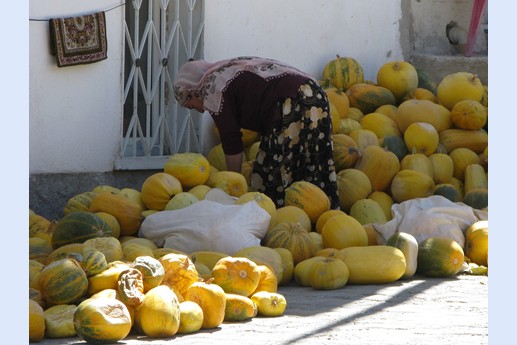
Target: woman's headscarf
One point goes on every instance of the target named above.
(208, 80)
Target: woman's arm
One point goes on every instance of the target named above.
(234, 162)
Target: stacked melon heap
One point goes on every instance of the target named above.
(400, 138)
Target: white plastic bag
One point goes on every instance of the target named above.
(435, 216)
(208, 225)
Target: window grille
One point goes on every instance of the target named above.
(160, 35)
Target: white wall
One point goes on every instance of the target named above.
(76, 111)
(305, 33)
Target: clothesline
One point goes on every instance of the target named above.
(47, 19)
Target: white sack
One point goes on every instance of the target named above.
(208, 225)
(435, 216)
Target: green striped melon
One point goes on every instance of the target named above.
(369, 97)
(63, 282)
(439, 257)
(94, 263)
(77, 227)
(343, 72)
(79, 202)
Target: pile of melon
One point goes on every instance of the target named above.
(400, 138)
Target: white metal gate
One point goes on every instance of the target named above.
(160, 35)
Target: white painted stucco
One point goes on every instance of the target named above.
(76, 112)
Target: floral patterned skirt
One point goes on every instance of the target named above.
(299, 148)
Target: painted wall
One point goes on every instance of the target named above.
(75, 112)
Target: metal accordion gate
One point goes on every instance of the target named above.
(160, 35)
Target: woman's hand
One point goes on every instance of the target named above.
(234, 162)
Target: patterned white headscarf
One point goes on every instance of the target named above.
(208, 80)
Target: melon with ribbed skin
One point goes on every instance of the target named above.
(346, 151)
(63, 282)
(291, 236)
(79, 202)
(308, 197)
(439, 257)
(77, 227)
(343, 72)
(94, 262)
(236, 275)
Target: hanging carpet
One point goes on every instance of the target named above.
(79, 40)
